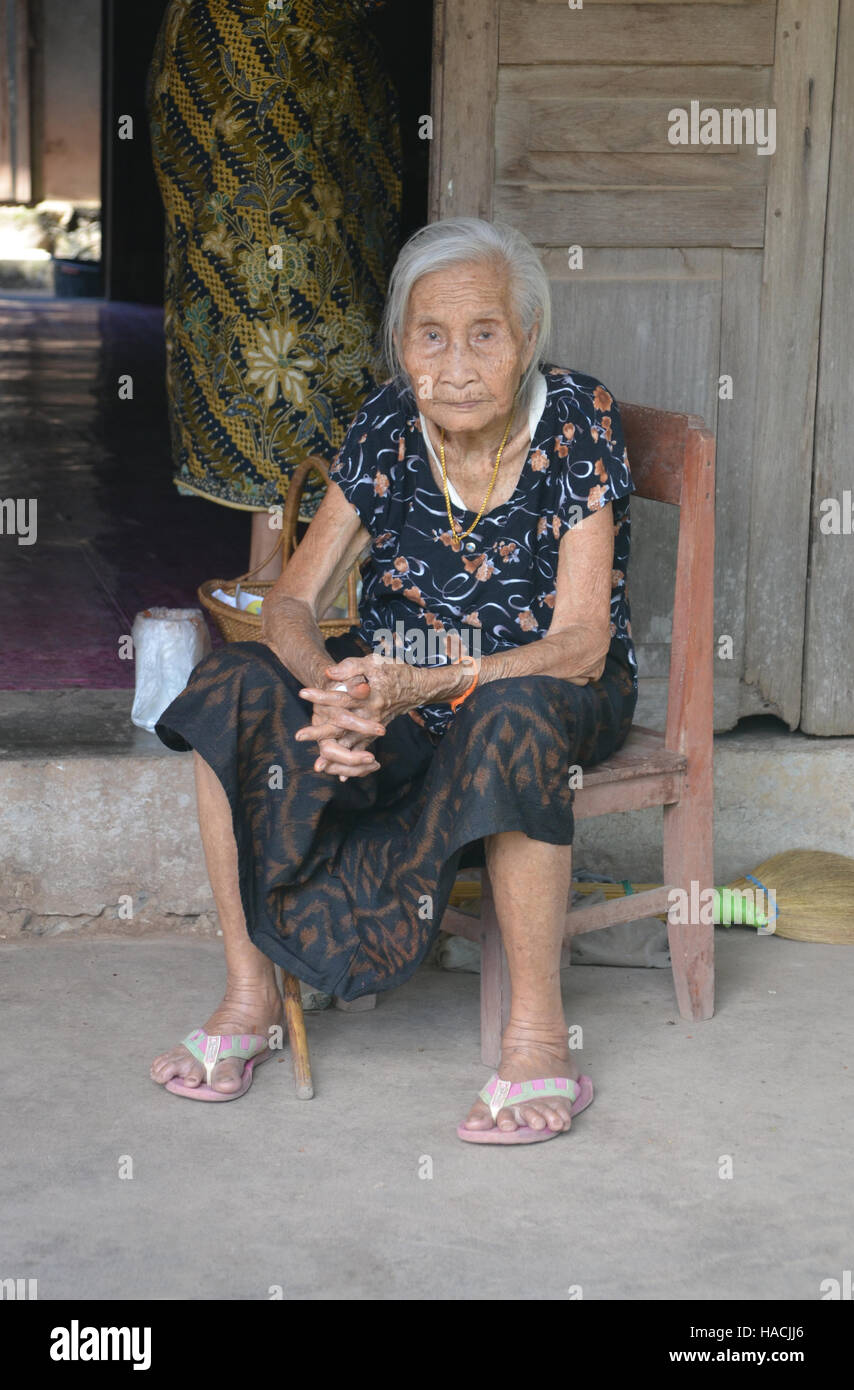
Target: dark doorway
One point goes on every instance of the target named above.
(132, 209)
(405, 34)
(132, 248)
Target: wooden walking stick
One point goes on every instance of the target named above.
(296, 1035)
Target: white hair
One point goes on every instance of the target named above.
(456, 241)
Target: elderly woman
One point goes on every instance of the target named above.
(341, 784)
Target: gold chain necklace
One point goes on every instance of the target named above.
(461, 535)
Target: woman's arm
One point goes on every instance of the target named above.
(579, 636)
(575, 647)
(311, 580)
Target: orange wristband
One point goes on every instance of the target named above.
(458, 700)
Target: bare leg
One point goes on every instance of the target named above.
(263, 538)
(531, 882)
(252, 1001)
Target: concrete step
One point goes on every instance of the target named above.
(98, 828)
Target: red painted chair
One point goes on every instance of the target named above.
(672, 461)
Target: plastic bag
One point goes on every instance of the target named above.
(167, 644)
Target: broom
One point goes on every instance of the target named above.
(815, 894)
(808, 894)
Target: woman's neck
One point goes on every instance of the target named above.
(470, 451)
(470, 475)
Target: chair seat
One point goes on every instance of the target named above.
(642, 773)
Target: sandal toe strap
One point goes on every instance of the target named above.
(210, 1048)
(497, 1093)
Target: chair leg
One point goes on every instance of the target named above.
(295, 1020)
(494, 978)
(689, 858)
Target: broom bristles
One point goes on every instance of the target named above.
(813, 892)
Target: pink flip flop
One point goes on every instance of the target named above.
(497, 1094)
(211, 1048)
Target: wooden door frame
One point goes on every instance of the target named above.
(828, 697)
(790, 314)
(16, 95)
(465, 83)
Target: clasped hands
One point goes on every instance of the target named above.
(345, 722)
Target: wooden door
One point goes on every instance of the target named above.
(700, 278)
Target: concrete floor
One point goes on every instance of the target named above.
(324, 1197)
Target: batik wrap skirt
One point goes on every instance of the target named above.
(345, 883)
(276, 146)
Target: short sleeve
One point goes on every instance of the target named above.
(360, 477)
(597, 465)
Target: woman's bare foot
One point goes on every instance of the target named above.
(248, 1007)
(526, 1055)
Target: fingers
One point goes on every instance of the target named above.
(338, 760)
(350, 666)
(357, 670)
(331, 703)
(336, 698)
(344, 773)
(353, 772)
(360, 724)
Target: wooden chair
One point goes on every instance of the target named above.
(672, 461)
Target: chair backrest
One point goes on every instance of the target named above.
(656, 441)
(672, 458)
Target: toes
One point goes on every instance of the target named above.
(177, 1063)
(479, 1117)
(227, 1075)
(542, 1115)
(537, 1116)
(531, 1116)
(553, 1116)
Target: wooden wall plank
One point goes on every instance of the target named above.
(742, 285)
(534, 32)
(707, 82)
(647, 323)
(788, 352)
(600, 123)
(534, 137)
(828, 687)
(437, 108)
(570, 170)
(464, 162)
(656, 2)
(635, 217)
(641, 263)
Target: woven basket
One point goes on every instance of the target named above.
(237, 626)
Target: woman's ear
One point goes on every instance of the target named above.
(530, 346)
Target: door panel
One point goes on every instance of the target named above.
(700, 288)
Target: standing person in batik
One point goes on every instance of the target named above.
(277, 152)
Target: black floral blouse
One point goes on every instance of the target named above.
(496, 588)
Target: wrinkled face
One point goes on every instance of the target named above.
(463, 347)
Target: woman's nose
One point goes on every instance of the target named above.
(457, 367)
